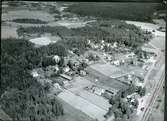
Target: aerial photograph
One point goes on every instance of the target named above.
(82, 61)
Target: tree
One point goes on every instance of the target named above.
(135, 103)
(118, 113)
(141, 91)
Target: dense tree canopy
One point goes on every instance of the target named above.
(22, 97)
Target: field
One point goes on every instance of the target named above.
(104, 72)
(72, 114)
(83, 105)
(45, 40)
(89, 103)
(127, 11)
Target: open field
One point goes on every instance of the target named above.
(82, 104)
(104, 79)
(93, 105)
(72, 114)
(108, 70)
(45, 40)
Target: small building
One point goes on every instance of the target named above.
(108, 94)
(56, 58)
(132, 96)
(56, 85)
(66, 69)
(82, 72)
(117, 62)
(115, 44)
(66, 77)
(35, 73)
(97, 90)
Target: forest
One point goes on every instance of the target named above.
(109, 31)
(30, 21)
(22, 97)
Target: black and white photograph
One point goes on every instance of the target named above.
(82, 61)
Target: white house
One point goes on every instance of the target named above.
(117, 62)
(98, 91)
(35, 74)
(57, 86)
(115, 44)
(66, 69)
(56, 58)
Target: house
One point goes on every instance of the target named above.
(149, 49)
(50, 70)
(132, 96)
(115, 44)
(35, 73)
(56, 85)
(82, 72)
(56, 58)
(117, 62)
(66, 69)
(97, 90)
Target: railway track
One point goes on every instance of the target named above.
(153, 98)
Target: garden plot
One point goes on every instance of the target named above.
(82, 104)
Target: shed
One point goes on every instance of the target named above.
(66, 77)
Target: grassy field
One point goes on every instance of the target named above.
(83, 105)
(103, 73)
(123, 11)
(72, 114)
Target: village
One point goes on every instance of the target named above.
(65, 64)
(97, 75)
